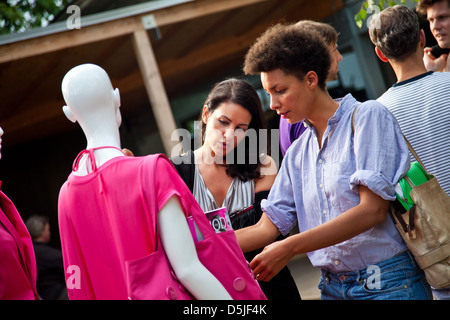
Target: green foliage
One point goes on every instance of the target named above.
(21, 15)
(372, 6)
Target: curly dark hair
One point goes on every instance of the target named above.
(423, 5)
(295, 51)
(242, 93)
(326, 30)
(396, 32)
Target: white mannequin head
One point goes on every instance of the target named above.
(93, 103)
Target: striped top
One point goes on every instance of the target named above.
(422, 108)
(240, 194)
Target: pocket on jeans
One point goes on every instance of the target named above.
(390, 279)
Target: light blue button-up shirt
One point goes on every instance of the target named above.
(316, 185)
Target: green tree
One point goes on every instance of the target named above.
(22, 15)
(372, 6)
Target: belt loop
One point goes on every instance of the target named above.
(325, 276)
(358, 276)
(411, 258)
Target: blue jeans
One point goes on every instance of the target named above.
(397, 278)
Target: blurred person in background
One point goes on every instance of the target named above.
(437, 13)
(50, 269)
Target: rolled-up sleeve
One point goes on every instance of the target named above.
(280, 204)
(380, 149)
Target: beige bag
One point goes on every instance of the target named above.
(426, 228)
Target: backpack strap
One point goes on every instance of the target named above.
(353, 120)
(395, 208)
(411, 149)
(148, 200)
(185, 165)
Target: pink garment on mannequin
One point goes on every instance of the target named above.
(17, 259)
(103, 224)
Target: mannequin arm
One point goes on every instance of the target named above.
(180, 250)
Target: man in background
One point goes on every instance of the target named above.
(420, 99)
(290, 132)
(437, 13)
(50, 269)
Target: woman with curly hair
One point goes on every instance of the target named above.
(336, 180)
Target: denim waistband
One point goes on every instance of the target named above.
(362, 274)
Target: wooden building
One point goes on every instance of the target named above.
(163, 56)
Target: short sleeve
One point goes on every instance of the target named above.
(380, 149)
(169, 183)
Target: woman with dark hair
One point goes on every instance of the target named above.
(228, 171)
(243, 163)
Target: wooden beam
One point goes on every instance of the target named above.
(115, 28)
(206, 54)
(154, 87)
(199, 8)
(192, 42)
(66, 39)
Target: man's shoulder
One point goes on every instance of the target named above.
(434, 80)
(434, 84)
(445, 76)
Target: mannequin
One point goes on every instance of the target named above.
(18, 264)
(92, 102)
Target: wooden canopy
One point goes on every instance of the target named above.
(152, 51)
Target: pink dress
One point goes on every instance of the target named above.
(17, 259)
(103, 223)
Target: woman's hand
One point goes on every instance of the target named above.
(271, 260)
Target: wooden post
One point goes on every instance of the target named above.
(154, 87)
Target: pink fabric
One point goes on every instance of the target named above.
(17, 259)
(151, 278)
(103, 223)
(221, 255)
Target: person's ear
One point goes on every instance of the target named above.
(312, 79)
(205, 114)
(381, 55)
(68, 113)
(422, 40)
